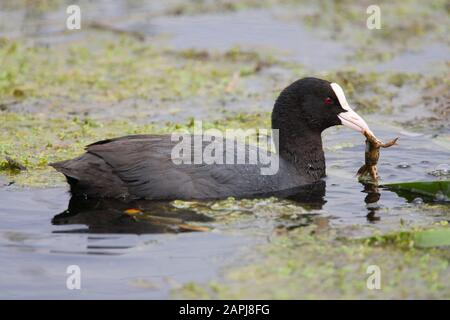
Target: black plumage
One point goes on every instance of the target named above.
(141, 167)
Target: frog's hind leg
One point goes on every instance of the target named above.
(368, 173)
(373, 173)
(362, 171)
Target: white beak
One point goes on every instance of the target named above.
(349, 118)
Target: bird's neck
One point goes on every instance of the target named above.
(304, 151)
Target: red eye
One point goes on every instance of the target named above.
(328, 101)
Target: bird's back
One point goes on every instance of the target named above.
(143, 166)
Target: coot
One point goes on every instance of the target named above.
(142, 166)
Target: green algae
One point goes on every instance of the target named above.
(306, 264)
(114, 70)
(239, 213)
(38, 138)
(404, 25)
(35, 140)
(97, 73)
(108, 71)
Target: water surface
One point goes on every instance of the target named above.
(122, 255)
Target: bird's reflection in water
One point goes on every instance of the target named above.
(137, 217)
(144, 216)
(371, 200)
(311, 196)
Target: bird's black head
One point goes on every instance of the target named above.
(311, 105)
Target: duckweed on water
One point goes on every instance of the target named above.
(315, 261)
(110, 71)
(301, 260)
(273, 211)
(307, 264)
(107, 70)
(34, 141)
(404, 24)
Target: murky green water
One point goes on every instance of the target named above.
(150, 254)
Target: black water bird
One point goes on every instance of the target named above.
(143, 166)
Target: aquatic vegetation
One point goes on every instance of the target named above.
(33, 140)
(51, 108)
(404, 25)
(432, 238)
(11, 165)
(103, 85)
(435, 190)
(42, 100)
(437, 235)
(105, 71)
(304, 263)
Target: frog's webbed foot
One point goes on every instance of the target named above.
(389, 143)
(376, 144)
